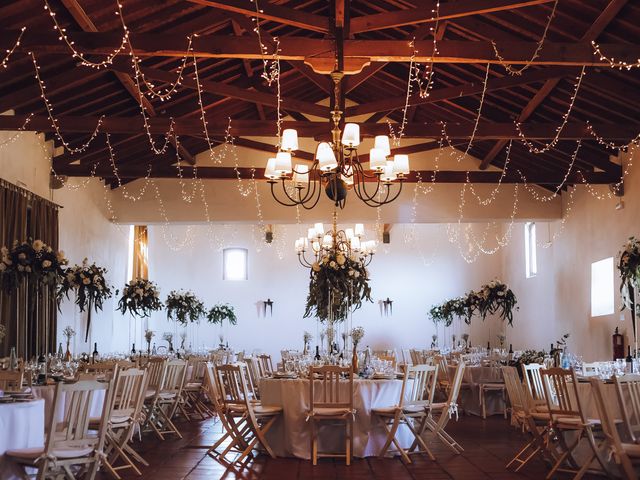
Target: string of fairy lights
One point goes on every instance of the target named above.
(423, 82)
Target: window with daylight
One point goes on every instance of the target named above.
(234, 264)
(602, 275)
(530, 256)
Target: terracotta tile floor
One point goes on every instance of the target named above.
(489, 445)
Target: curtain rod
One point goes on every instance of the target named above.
(27, 193)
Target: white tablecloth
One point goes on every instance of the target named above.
(290, 435)
(47, 393)
(21, 426)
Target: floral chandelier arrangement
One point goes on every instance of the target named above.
(34, 261)
(492, 298)
(90, 286)
(140, 298)
(629, 269)
(221, 312)
(184, 307)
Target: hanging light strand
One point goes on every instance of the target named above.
(613, 63)
(9, 51)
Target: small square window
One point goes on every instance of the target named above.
(602, 275)
(234, 264)
(530, 255)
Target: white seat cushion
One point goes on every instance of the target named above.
(34, 453)
(329, 412)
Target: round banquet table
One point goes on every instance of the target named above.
(469, 398)
(48, 392)
(21, 426)
(290, 435)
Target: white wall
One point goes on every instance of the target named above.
(414, 276)
(85, 231)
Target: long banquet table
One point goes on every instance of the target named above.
(290, 435)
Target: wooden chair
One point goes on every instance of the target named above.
(265, 365)
(628, 393)
(331, 400)
(411, 410)
(567, 417)
(162, 406)
(624, 454)
(192, 392)
(248, 421)
(444, 382)
(388, 358)
(488, 387)
(253, 377)
(416, 357)
(534, 382)
(446, 410)
(11, 380)
(70, 444)
(106, 369)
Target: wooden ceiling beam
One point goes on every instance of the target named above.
(193, 127)
(426, 12)
(271, 12)
(596, 28)
(304, 48)
(441, 176)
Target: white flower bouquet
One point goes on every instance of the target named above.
(184, 307)
(140, 297)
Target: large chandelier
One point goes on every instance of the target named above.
(318, 244)
(336, 167)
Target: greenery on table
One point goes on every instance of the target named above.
(184, 307)
(32, 260)
(140, 298)
(338, 284)
(221, 312)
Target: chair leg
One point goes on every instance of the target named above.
(349, 428)
(314, 443)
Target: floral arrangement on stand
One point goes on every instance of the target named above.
(140, 298)
(338, 284)
(221, 312)
(32, 260)
(184, 307)
(90, 286)
(629, 269)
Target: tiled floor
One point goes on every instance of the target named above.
(489, 445)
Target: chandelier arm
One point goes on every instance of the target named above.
(275, 197)
(303, 260)
(360, 186)
(311, 192)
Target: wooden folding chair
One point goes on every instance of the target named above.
(567, 416)
(248, 422)
(265, 365)
(70, 444)
(192, 392)
(444, 382)
(331, 400)
(253, 377)
(411, 410)
(162, 406)
(533, 380)
(628, 393)
(11, 380)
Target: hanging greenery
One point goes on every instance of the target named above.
(184, 307)
(140, 298)
(338, 284)
(221, 312)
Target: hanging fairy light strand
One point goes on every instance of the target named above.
(21, 131)
(613, 63)
(9, 51)
(492, 196)
(536, 53)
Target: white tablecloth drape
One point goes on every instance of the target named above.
(290, 435)
(21, 426)
(47, 393)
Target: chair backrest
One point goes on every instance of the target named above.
(102, 368)
(561, 391)
(212, 388)
(253, 376)
(174, 378)
(233, 386)
(129, 390)
(451, 405)
(388, 358)
(196, 369)
(423, 388)
(265, 365)
(11, 380)
(533, 379)
(332, 391)
(155, 372)
(517, 397)
(75, 399)
(126, 364)
(628, 393)
(443, 367)
(416, 357)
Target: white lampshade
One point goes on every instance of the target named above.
(351, 135)
(270, 170)
(315, 246)
(301, 175)
(388, 175)
(319, 228)
(355, 244)
(401, 164)
(325, 156)
(382, 142)
(377, 159)
(299, 244)
(327, 240)
(283, 163)
(349, 233)
(359, 230)
(371, 246)
(311, 233)
(289, 140)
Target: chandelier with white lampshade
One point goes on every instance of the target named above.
(320, 243)
(336, 167)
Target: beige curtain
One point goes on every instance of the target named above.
(140, 252)
(29, 318)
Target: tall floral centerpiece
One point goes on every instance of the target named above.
(90, 286)
(221, 312)
(184, 307)
(338, 284)
(497, 297)
(140, 298)
(629, 269)
(39, 268)
(357, 333)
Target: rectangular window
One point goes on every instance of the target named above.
(137, 264)
(530, 249)
(602, 301)
(234, 264)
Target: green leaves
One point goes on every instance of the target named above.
(89, 284)
(184, 307)
(140, 298)
(221, 312)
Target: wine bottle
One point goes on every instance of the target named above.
(488, 347)
(629, 360)
(153, 350)
(13, 360)
(60, 353)
(133, 349)
(510, 352)
(317, 357)
(42, 369)
(94, 355)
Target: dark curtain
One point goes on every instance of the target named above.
(29, 315)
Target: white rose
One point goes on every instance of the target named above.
(356, 274)
(139, 292)
(46, 263)
(38, 245)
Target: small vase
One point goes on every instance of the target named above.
(67, 355)
(354, 359)
(306, 349)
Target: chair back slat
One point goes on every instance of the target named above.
(11, 380)
(561, 391)
(628, 394)
(332, 395)
(174, 378)
(533, 379)
(232, 383)
(515, 390)
(129, 392)
(423, 387)
(155, 372)
(265, 365)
